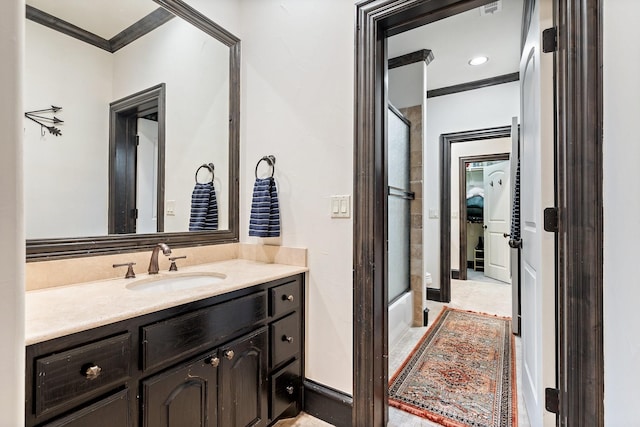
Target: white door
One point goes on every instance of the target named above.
(147, 177)
(537, 193)
(497, 221)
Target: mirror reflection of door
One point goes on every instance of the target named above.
(146, 175)
(136, 183)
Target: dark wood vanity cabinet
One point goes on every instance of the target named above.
(233, 360)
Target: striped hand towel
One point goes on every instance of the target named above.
(204, 208)
(265, 210)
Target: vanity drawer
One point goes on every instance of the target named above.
(285, 339)
(195, 332)
(108, 412)
(285, 298)
(285, 388)
(77, 373)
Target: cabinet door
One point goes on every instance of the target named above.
(110, 411)
(243, 381)
(182, 397)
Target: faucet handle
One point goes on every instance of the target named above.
(173, 266)
(130, 273)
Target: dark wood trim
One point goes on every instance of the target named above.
(46, 249)
(425, 55)
(144, 26)
(155, 95)
(446, 140)
(376, 20)
(433, 294)
(455, 274)
(579, 175)
(57, 24)
(462, 205)
(477, 84)
(327, 404)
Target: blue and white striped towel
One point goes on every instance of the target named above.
(265, 210)
(204, 208)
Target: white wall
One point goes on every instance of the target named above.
(12, 366)
(478, 109)
(467, 149)
(63, 71)
(297, 98)
(621, 219)
(194, 67)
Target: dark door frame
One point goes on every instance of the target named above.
(578, 100)
(446, 141)
(462, 216)
(123, 115)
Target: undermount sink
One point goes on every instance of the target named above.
(176, 282)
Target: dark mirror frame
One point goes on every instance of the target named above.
(46, 249)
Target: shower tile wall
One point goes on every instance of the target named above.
(414, 114)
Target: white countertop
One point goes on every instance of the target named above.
(55, 312)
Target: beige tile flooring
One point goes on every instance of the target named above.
(484, 297)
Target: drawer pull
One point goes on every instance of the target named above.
(287, 297)
(290, 389)
(214, 362)
(229, 354)
(93, 372)
(287, 338)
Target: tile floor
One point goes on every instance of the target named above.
(484, 297)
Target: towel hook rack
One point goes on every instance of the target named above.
(207, 166)
(271, 160)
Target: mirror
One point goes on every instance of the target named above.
(148, 93)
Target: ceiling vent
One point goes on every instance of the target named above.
(491, 8)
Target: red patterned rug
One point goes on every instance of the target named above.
(461, 373)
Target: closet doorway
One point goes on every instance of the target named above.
(484, 202)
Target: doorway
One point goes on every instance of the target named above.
(579, 75)
(484, 208)
(136, 162)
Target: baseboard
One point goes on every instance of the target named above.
(455, 274)
(433, 294)
(327, 404)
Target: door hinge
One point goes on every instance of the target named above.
(550, 40)
(134, 213)
(552, 400)
(551, 220)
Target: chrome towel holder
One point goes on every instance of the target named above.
(207, 166)
(271, 160)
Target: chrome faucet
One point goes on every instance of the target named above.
(153, 264)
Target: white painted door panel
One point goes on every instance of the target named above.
(146, 179)
(497, 190)
(537, 192)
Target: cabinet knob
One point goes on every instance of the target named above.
(229, 354)
(93, 372)
(214, 362)
(287, 297)
(290, 389)
(287, 338)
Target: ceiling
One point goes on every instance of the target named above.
(105, 18)
(457, 39)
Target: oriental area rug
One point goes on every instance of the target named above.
(461, 373)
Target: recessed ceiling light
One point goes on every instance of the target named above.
(478, 60)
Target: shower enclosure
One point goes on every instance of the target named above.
(399, 197)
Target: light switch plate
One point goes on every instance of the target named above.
(171, 207)
(341, 206)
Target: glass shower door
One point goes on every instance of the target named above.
(398, 205)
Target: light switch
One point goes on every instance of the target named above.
(171, 207)
(433, 214)
(341, 206)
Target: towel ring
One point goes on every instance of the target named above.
(208, 166)
(269, 159)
